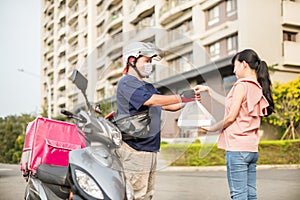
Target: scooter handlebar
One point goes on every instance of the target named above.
(70, 114)
(67, 113)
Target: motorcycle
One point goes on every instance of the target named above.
(92, 172)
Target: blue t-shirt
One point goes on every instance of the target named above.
(131, 96)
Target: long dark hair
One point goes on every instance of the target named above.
(262, 73)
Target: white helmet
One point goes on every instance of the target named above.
(137, 49)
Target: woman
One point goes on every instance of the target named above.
(248, 100)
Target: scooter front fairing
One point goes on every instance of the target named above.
(97, 172)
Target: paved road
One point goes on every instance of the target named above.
(273, 184)
(12, 184)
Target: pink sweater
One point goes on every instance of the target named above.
(242, 134)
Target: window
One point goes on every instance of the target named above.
(289, 36)
(213, 15)
(214, 51)
(231, 7)
(220, 13)
(232, 44)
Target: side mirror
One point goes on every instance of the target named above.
(81, 83)
(79, 80)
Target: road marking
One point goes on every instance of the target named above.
(5, 169)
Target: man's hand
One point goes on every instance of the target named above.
(188, 96)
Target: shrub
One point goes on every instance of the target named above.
(287, 107)
(270, 152)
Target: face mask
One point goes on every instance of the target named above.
(148, 67)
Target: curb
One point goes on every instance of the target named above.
(223, 168)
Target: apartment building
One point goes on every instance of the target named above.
(199, 38)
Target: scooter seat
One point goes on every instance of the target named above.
(53, 174)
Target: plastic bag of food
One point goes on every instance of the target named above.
(194, 115)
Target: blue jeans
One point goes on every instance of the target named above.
(241, 174)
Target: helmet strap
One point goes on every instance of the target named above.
(135, 69)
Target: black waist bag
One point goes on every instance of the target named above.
(135, 125)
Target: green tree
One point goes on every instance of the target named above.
(44, 112)
(287, 108)
(107, 107)
(12, 130)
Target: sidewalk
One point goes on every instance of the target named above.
(223, 168)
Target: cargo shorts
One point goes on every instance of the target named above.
(140, 171)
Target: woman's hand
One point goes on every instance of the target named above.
(216, 127)
(209, 128)
(215, 95)
(201, 88)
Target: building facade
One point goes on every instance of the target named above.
(199, 38)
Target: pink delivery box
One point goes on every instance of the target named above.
(49, 141)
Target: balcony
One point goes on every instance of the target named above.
(291, 53)
(143, 34)
(114, 44)
(110, 91)
(115, 21)
(289, 10)
(141, 10)
(100, 66)
(62, 30)
(51, 7)
(62, 12)
(61, 49)
(73, 53)
(62, 64)
(98, 2)
(46, 6)
(72, 90)
(73, 56)
(101, 7)
(50, 38)
(173, 10)
(61, 99)
(146, 23)
(174, 39)
(47, 65)
(48, 33)
(113, 3)
(100, 84)
(49, 72)
(73, 33)
(61, 83)
(49, 22)
(49, 49)
(100, 20)
(71, 3)
(216, 33)
(115, 73)
(73, 14)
